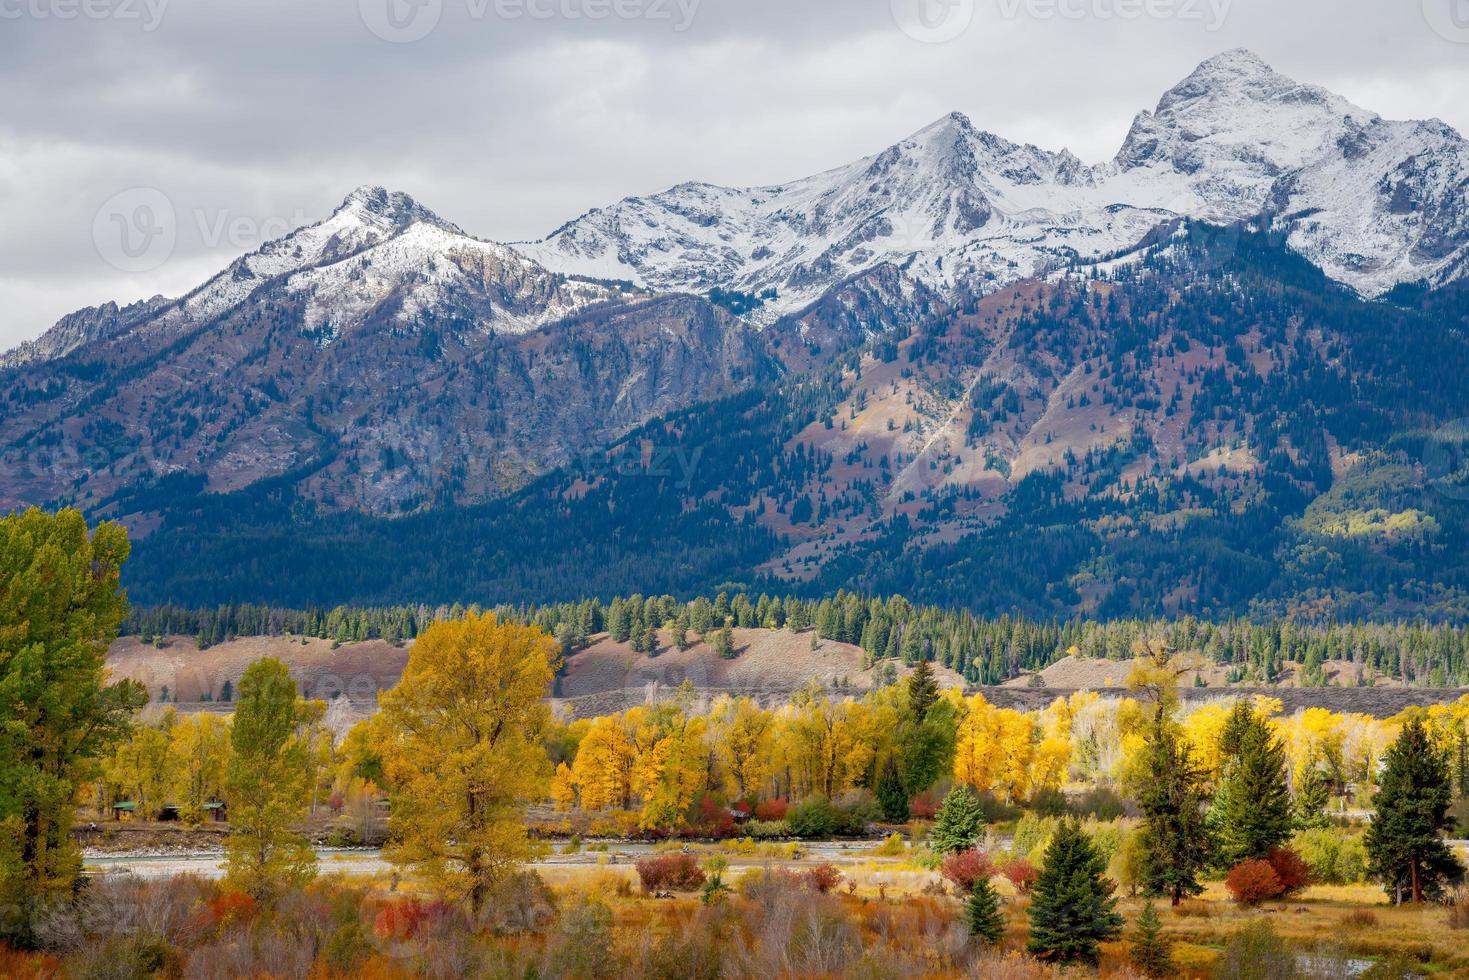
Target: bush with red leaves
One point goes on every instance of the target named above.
(772, 809)
(1252, 882)
(232, 907)
(966, 868)
(1292, 870)
(670, 872)
(823, 878)
(924, 806)
(404, 919)
(1020, 873)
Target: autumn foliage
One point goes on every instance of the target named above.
(1252, 882)
(670, 873)
(966, 868)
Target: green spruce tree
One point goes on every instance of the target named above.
(1072, 910)
(1252, 809)
(1311, 800)
(892, 796)
(1175, 840)
(958, 823)
(1152, 952)
(1405, 846)
(983, 915)
(923, 690)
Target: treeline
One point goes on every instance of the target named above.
(983, 650)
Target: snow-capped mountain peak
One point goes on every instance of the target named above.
(953, 204)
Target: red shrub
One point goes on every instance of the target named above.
(402, 920)
(1020, 872)
(714, 819)
(233, 907)
(772, 809)
(1252, 882)
(823, 878)
(966, 868)
(1294, 873)
(670, 872)
(924, 806)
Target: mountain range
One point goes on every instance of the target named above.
(1187, 379)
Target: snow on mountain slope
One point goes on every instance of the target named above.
(378, 257)
(1375, 203)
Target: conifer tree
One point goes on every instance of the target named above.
(892, 796)
(724, 642)
(1152, 952)
(958, 823)
(1072, 910)
(1405, 847)
(923, 690)
(1176, 842)
(1311, 800)
(983, 915)
(1252, 809)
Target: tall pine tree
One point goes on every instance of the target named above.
(1072, 911)
(923, 690)
(1176, 843)
(1252, 809)
(1405, 845)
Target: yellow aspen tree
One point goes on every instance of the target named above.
(563, 789)
(464, 753)
(604, 765)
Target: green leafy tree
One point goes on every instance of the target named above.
(1252, 810)
(60, 606)
(267, 784)
(983, 915)
(1072, 909)
(1175, 841)
(1405, 844)
(1152, 952)
(958, 823)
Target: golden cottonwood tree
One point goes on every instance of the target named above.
(463, 751)
(741, 730)
(143, 768)
(604, 765)
(200, 751)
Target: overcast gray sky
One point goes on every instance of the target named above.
(510, 117)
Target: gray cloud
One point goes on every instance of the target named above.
(250, 115)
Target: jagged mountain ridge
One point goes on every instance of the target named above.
(1374, 203)
(388, 360)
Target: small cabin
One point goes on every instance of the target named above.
(125, 811)
(217, 811)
